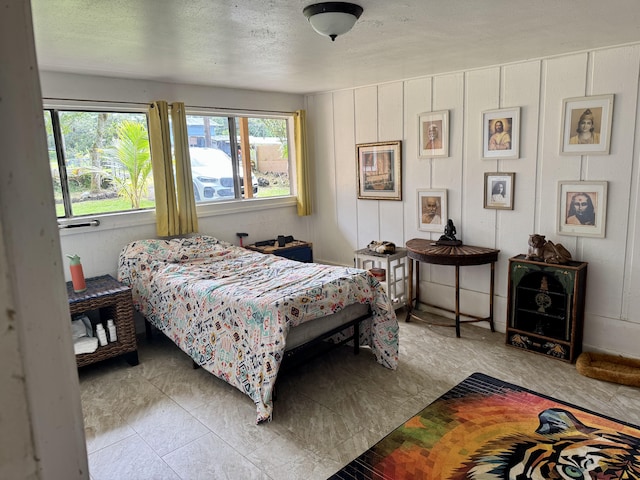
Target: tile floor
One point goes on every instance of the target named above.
(164, 420)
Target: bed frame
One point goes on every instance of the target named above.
(308, 350)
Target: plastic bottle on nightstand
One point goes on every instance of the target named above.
(112, 331)
(77, 275)
(101, 334)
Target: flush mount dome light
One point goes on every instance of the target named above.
(332, 18)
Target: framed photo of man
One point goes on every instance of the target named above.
(586, 125)
(432, 210)
(501, 134)
(582, 208)
(433, 134)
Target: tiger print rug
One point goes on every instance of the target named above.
(488, 429)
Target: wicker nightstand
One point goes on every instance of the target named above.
(113, 300)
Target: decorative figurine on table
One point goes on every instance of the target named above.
(542, 250)
(449, 237)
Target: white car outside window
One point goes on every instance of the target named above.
(212, 173)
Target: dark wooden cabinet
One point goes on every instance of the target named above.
(546, 307)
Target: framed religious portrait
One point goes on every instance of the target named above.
(586, 125)
(501, 133)
(499, 190)
(433, 134)
(432, 210)
(380, 170)
(582, 208)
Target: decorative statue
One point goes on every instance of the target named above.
(542, 250)
(449, 231)
(449, 237)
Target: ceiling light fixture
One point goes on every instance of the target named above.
(332, 18)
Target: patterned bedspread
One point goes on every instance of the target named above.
(231, 309)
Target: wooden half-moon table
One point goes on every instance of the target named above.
(427, 251)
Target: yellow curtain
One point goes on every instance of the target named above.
(302, 163)
(163, 182)
(187, 216)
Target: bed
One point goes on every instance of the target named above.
(237, 313)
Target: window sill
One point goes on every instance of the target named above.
(253, 204)
(109, 221)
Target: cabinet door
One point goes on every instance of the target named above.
(300, 254)
(542, 300)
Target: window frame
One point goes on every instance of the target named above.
(234, 114)
(139, 218)
(53, 108)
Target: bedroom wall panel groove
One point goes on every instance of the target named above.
(631, 299)
(366, 117)
(391, 127)
(613, 71)
(345, 176)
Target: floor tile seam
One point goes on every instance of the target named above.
(258, 467)
(208, 430)
(407, 368)
(152, 379)
(175, 400)
(164, 397)
(264, 472)
(154, 453)
(355, 428)
(221, 438)
(344, 419)
(200, 437)
(133, 433)
(158, 393)
(380, 393)
(331, 408)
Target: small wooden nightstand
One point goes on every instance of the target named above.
(112, 299)
(296, 250)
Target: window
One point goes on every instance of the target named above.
(217, 146)
(100, 161)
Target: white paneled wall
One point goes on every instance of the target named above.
(346, 203)
(340, 120)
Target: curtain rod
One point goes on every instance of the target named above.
(146, 104)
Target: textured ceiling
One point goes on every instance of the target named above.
(269, 45)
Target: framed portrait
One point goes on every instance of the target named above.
(501, 134)
(432, 210)
(499, 189)
(380, 170)
(582, 208)
(586, 125)
(434, 134)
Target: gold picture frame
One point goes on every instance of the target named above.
(380, 170)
